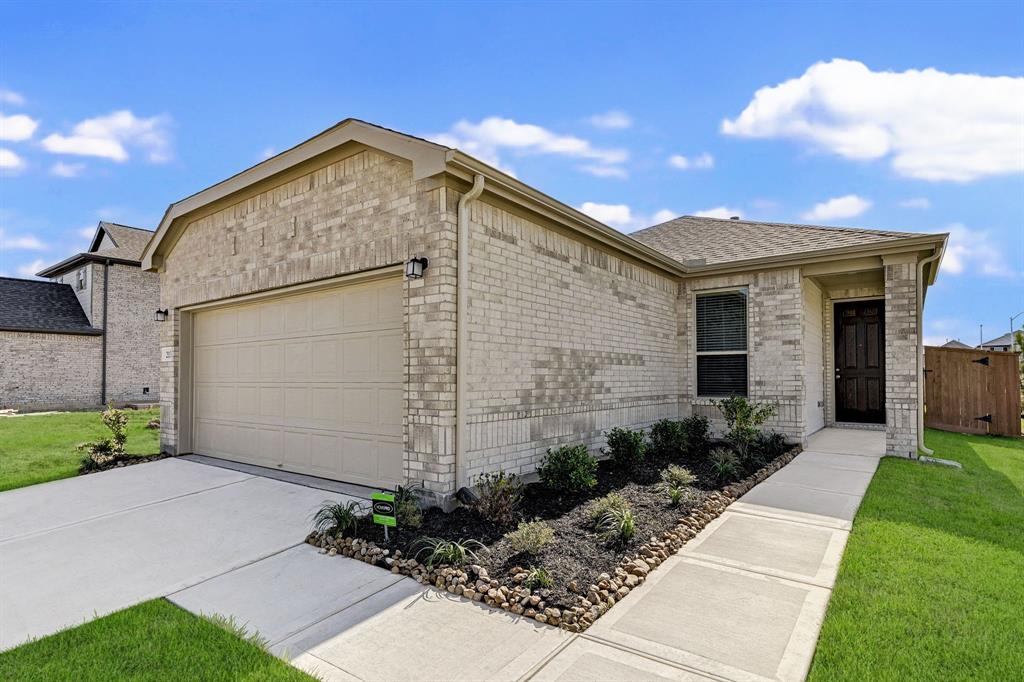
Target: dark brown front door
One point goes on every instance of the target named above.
(860, 361)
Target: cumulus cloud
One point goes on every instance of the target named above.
(723, 212)
(700, 162)
(973, 251)
(930, 124)
(622, 217)
(30, 269)
(921, 203)
(663, 216)
(605, 171)
(17, 127)
(67, 170)
(25, 242)
(11, 97)
(111, 137)
(493, 135)
(611, 120)
(838, 208)
(9, 161)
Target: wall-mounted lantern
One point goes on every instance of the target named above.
(160, 315)
(414, 268)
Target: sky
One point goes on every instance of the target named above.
(899, 116)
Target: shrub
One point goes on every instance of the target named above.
(570, 468)
(697, 433)
(724, 464)
(500, 496)
(668, 438)
(602, 505)
(451, 552)
(334, 518)
(743, 417)
(106, 451)
(676, 496)
(771, 444)
(617, 524)
(539, 577)
(407, 506)
(530, 537)
(627, 447)
(676, 476)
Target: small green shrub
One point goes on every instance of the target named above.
(105, 451)
(602, 505)
(530, 537)
(500, 496)
(335, 518)
(676, 476)
(617, 524)
(539, 577)
(743, 417)
(627, 447)
(668, 438)
(570, 468)
(450, 552)
(676, 495)
(724, 464)
(770, 444)
(407, 506)
(697, 434)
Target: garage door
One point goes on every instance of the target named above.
(310, 383)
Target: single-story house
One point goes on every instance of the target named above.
(87, 335)
(1003, 343)
(376, 308)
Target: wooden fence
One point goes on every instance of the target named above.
(972, 391)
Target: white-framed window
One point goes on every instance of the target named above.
(80, 279)
(721, 343)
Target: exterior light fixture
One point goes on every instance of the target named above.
(414, 268)
(160, 315)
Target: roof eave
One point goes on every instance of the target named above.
(90, 331)
(79, 258)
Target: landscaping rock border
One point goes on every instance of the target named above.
(118, 463)
(474, 582)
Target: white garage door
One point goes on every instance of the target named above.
(310, 383)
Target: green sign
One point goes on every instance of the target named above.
(384, 509)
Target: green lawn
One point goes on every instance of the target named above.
(932, 583)
(35, 449)
(155, 640)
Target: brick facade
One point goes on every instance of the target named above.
(901, 356)
(49, 371)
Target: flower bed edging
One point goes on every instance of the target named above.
(475, 583)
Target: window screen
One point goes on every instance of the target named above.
(722, 344)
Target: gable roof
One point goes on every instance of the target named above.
(129, 243)
(699, 241)
(956, 344)
(1003, 340)
(34, 305)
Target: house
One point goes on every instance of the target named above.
(87, 336)
(956, 344)
(376, 308)
(1004, 342)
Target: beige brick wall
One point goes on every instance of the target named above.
(49, 371)
(775, 371)
(133, 336)
(901, 378)
(566, 341)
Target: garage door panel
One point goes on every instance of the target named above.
(309, 383)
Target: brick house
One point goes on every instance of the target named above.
(301, 336)
(87, 336)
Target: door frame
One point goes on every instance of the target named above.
(186, 350)
(880, 299)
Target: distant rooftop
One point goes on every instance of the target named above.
(35, 305)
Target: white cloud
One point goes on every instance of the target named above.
(111, 136)
(30, 269)
(67, 170)
(932, 125)
(10, 161)
(267, 153)
(89, 231)
(723, 212)
(921, 203)
(974, 251)
(663, 216)
(494, 134)
(606, 171)
(26, 242)
(611, 120)
(838, 208)
(622, 217)
(11, 97)
(701, 162)
(17, 127)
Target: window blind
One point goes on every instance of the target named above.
(722, 344)
(721, 375)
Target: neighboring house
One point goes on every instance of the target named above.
(86, 337)
(295, 341)
(956, 344)
(1004, 342)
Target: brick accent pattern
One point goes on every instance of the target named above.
(49, 371)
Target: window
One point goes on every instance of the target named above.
(722, 343)
(80, 279)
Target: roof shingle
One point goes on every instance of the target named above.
(34, 305)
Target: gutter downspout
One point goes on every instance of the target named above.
(920, 350)
(462, 329)
(103, 362)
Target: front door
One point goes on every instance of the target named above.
(860, 361)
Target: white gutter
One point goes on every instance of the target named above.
(462, 330)
(920, 349)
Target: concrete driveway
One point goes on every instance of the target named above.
(83, 547)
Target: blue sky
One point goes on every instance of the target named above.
(896, 116)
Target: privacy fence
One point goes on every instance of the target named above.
(972, 391)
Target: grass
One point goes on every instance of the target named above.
(36, 449)
(932, 582)
(155, 641)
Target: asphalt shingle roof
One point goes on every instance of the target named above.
(130, 241)
(717, 240)
(28, 304)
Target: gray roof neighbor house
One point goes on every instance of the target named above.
(39, 306)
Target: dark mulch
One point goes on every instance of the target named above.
(120, 462)
(577, 554)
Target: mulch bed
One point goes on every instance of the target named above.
(589, 573)
(120, 462)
